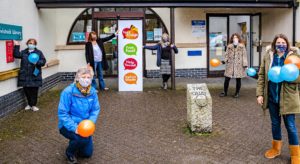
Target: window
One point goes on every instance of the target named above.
(78, 34)
(79, 30)
(154, 27)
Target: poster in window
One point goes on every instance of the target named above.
(150, 35)
(219, 51)
(78, 36)
(87, 36)
(198, 28)
(88, 28)
(157, 34)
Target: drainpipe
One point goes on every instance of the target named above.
(172, 17)
(295, 6)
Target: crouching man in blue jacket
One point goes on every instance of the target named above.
(79, 101)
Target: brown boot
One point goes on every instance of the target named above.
(295, 154)
(275, 150)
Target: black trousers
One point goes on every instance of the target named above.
(165, 77)
(238, 85)
(31, 94)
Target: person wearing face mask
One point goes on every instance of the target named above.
(281, 99)
(163, 61)
(236, 63)
(96, 57)
(30, 74)
(79, 101)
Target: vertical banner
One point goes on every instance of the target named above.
(9, 51)
(130, 48)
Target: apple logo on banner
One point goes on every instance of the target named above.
(130, 33)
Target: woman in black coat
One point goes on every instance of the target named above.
(96, 57)
(30, 75)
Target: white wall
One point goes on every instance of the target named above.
(38, 24)
(182, 60)
(183, 25)
(12, 12)
(64, 21)
(164, 14)
(275, 22)
(47, 37)
(71, 60)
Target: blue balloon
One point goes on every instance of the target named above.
(251, 72)
(33, 58)
(289, 72)
(274, 74)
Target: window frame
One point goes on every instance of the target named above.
(92, 19)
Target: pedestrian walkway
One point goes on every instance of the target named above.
(147, 127)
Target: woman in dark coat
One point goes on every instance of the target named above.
(96, 57)
(30, 75)
(280, 99)
(163, 61)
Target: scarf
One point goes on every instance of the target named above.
(84, 91)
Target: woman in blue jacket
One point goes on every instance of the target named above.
(164, 51)
(79, 101)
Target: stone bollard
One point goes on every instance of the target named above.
(199, 108)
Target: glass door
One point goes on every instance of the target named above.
(256, 46)
(217, 42)
(241, 24)
(105, 28)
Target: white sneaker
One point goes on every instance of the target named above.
(28, 107)
(34, 108)
(165, 85)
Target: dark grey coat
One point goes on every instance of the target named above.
(26, 77)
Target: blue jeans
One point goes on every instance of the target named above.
(83, 147)
(289, 122)
(98, 72)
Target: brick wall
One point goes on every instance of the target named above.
(189, 73)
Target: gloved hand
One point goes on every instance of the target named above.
(223, 62)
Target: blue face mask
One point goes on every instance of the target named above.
(281, 48)
(31, 46)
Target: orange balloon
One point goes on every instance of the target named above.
(86, 128)
(293, 60)
(215, 62)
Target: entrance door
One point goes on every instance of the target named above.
(256, 43)
(105, 24)
(220, 29)
(217, 42)
(105, 28)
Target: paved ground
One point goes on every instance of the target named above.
(147, 127)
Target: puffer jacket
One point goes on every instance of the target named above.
(26, 77)
(74, 107)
